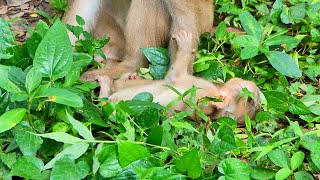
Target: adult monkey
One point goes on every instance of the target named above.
(135, 24)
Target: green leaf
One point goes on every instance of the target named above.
(159, 59)
(284, 173)
(299, 108)
(6, 36)
(61, 96)
(8, 159)
(108, 158)
(28, 167)
(129, 152)
(65, 168)
(302, 175)
(184, 125)
(296, 160)
(26, 140)
(283, 63)
(279, 158)
(249, 52)
(221, 31)
(42, 28)
(251, 25)
(289, 41)
(80, 20)
(246, 40)
(61, 137)
(60, 5)
(148, 118)
(315, 154)
(82, 129)
(82, 60)
(277, 101)
(54, 54)
(12, 79)
(73, 76)
(76, 150)
(144, 96)
(155, 135)
(224, 140)
(190, 163)
(262, 173)
(33, 79)
(11, 118)
(234, 168)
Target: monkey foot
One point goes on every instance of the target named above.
(184, 40)
(133, 76)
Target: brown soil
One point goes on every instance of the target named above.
(24, 14)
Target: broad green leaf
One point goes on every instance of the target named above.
(159, 59)
(6, 36)
(289, 41)
(129, 152)
(33, 43)
(82, 129)
(299, 108)
(12, 79)
(221, 31)
(296, 160)
(8, 159)
(144, 96)
(11, 118)
(76, 150)
(190, 163)
(262, 173)
(184, 125)
(108, 158)
(28, 167)
(279, 158)
(315, 154)
(284, 173)
(28, 142)
(65, 168)
(302, 175)
(224, 140)
(283, 63)
(251, 25)
(233, 168)
(91, 113)
(61, 137)
(246, 40)
(42, 28)
(249, 52)
(277, 101)
(148, 118)
(61, 96)
(82, 60)
(33, 79)
(72, 76)
(54, 54)
(155, 135)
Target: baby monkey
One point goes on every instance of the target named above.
(178, 77)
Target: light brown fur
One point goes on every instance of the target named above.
(135, 24)
(179, 78)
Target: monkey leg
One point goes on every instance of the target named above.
(147, 26)
(105, 86)
(184, 55)
(195, 17)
